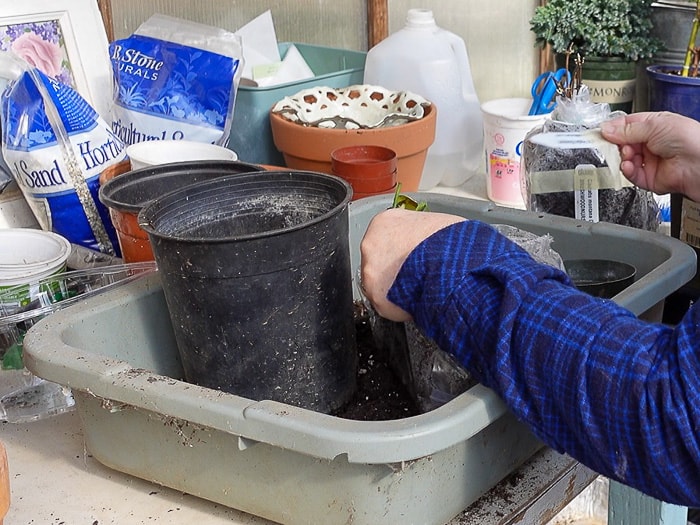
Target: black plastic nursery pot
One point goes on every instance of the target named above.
(126, 194)
(600, 277)
(256, 274)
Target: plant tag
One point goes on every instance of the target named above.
(586, 193)
(564, 140)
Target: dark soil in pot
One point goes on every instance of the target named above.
(380, 394)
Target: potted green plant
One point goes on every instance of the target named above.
(610, 35)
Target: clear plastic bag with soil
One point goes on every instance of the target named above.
(403, 372)
(583, 181)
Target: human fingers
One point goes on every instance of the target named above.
(639, 137)
(640, 173)
(629, 129)
(633, 162)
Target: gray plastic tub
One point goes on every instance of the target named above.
(118, 354)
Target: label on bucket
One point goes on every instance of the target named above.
(506, 124)
(504, 178)
(12, 298)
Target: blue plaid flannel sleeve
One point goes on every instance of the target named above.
(618, 394)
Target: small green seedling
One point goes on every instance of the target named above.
(406, 202)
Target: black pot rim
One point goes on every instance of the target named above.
(145, 216)
(109, 192)
(626, 271)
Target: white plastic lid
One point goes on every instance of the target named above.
(25, 252)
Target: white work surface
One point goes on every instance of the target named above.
(55, 480)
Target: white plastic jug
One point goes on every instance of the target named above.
(433, 63)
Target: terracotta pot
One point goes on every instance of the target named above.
(310, 147)
(114, 170)
(368, 169)
(133, 241)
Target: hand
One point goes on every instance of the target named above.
(390, 238)
(660, 151)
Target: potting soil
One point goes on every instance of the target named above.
(380, 394)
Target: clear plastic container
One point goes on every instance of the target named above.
(23, 396)
(433, 63)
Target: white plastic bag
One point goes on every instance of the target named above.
(568, 169)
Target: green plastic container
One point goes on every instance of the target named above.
(251, 136)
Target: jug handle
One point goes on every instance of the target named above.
(459, 48)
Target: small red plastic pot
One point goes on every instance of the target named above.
(370, 170)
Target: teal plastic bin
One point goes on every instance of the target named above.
(251, 136)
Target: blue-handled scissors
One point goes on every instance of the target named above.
(545, 89)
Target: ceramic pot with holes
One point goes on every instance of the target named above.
(309, 147)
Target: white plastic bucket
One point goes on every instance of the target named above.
(506, 122)
(28, 255)
(155, 152)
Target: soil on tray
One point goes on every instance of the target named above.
(380, 394)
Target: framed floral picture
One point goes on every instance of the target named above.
(66, 39)
(41, 44)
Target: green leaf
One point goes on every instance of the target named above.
(620, 28)
(406, 202)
